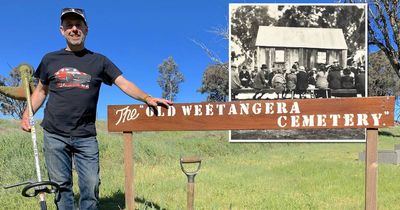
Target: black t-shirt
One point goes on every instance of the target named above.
(74, 80)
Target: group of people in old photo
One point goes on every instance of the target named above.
(298, 81)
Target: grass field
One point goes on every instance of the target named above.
(233, 175)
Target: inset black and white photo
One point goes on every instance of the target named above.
(297, 51)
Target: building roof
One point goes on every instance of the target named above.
(294, 37)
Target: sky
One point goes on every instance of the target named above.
(135, 35)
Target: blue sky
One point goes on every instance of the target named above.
(136, 35)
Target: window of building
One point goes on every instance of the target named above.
(279, 56)
(321, 57)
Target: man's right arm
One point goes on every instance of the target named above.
(37, 98)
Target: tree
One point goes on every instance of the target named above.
(215, 82)
(383, 30)
(245, 21)
(382, 81)
(351, 19)
(397, 112)
(169, 78)
(383, 33)
(9, 106)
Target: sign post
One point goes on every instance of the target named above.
(371, 113)
(129, 171)
(371, 169)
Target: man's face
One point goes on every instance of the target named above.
(74, 30)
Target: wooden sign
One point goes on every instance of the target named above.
(370, 112)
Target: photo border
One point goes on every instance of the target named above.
(365, 5)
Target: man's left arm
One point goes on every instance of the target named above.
(135, 92)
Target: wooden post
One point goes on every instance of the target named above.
(371, 169)
(190, 196)
(129, 175)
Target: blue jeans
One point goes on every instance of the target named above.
(59, 153)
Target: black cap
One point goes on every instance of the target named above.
(76, 11)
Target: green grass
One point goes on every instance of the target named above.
(232, 176)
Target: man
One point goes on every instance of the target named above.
(244, 76)
(271, 75)
(347, 82)
(235, 81)
(260, 82)
(360, 82)
(336, 65)
(354, 68)
(302, 82)
(334, 76)
(291, 82)
(72, 78)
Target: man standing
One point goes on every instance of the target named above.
(235, 80)
(360, 82)
(334, 76)
(72, 78)
(302, 82)
(291, 81)
(260, 82)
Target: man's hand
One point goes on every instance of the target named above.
(158, 101)
(25, 125)
(37, 98)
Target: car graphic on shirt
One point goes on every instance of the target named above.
(71, 77)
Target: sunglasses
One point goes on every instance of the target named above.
(74, 10)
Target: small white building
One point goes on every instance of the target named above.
(282, 46)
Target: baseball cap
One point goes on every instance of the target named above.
(76, 11)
